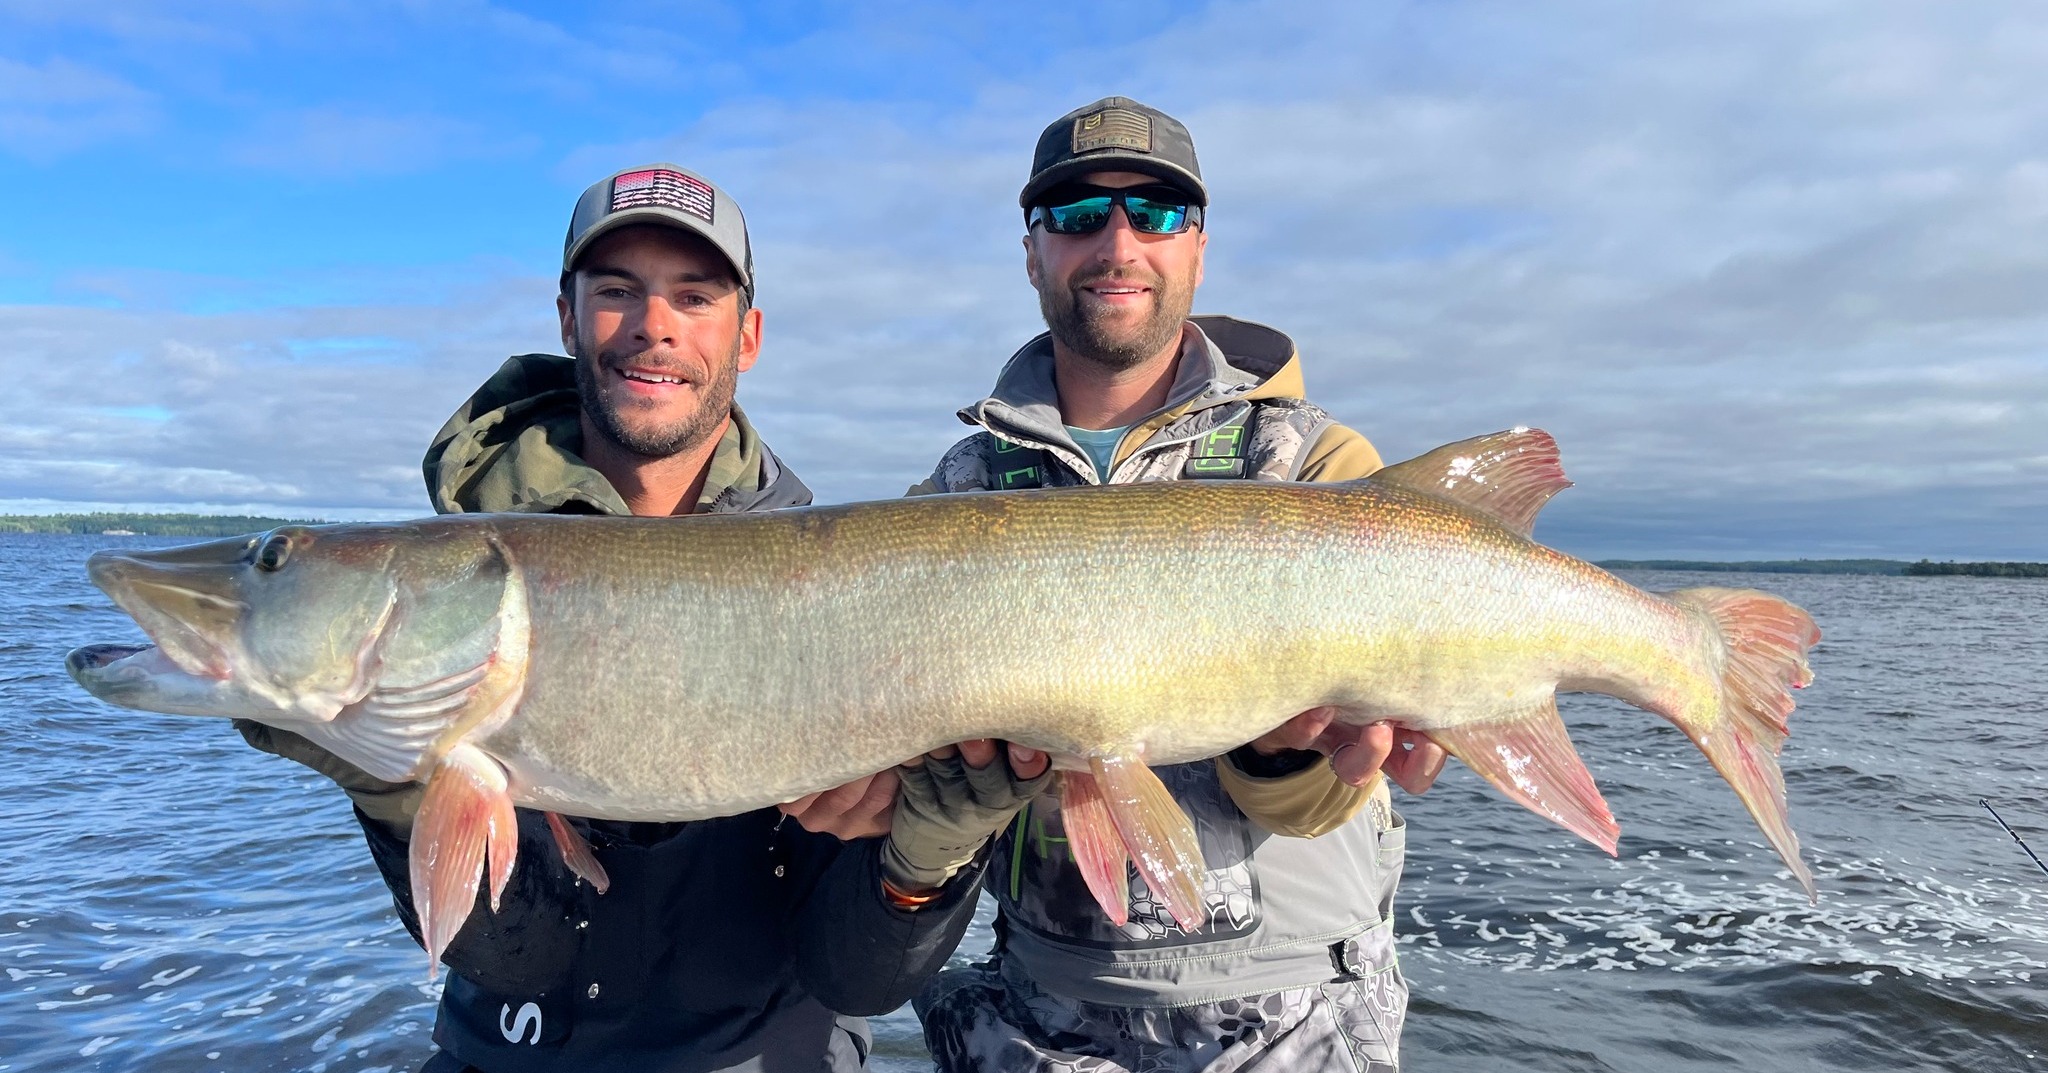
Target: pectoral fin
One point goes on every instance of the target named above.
(1531, 759)
(465, 821)
(1093, 840)
(1157, 835)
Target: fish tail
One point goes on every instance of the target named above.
(1766, 641)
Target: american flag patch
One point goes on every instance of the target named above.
(663, 189)
(1113, 128)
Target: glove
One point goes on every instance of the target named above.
(392, 804)
(946, 811)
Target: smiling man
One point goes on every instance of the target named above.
(1295, 968)
(741, 943)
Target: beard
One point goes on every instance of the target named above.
(1095, 333)
(655, 441)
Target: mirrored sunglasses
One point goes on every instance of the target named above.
(1155, 210)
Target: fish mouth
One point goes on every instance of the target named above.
(184, 602)
(121, 674)
(144, 677)
(99, 658)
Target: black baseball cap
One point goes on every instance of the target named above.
(667, 195)
(1115, 134)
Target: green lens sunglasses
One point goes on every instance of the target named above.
(1081, 210)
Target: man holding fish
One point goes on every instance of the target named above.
(745, 942)
(1294, 967)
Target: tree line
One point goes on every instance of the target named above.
(119, 523)
(1923, 568)
(1769, 566)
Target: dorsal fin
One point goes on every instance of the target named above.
(1506, 475)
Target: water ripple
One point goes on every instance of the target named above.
(177, 902)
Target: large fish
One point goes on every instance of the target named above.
(674, 669)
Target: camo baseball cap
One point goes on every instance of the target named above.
(661, 194)
(1115, 134)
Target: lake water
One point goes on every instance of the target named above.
(173, 901)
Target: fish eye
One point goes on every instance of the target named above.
(272, 553)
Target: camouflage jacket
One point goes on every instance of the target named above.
(1283, 910)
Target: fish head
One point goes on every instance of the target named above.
(283, 626)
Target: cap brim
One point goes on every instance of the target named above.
(1067, 170)
(660, 217)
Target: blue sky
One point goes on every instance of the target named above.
(1774, 273)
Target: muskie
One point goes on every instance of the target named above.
(682, 668)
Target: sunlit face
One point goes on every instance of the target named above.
(654, 317)
(1117, 296)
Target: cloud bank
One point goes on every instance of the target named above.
(1771, 272)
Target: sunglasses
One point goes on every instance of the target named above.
(1081, 210)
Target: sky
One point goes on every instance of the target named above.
(1774, 273)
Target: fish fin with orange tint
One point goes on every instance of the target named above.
(465, 821)
(1508, 476)
(1157, 834)
(1530, 758)
(1767, 639)
(1093, 840)
(576, 853)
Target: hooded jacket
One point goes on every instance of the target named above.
(1227, 366)
(516, 445)
(738, 943)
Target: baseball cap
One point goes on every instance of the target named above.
(661, 194)
(1115, 134)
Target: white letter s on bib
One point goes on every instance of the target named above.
(529, 1018)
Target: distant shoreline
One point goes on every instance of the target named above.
(116, 523)
(1894, 567)
(1764, 566)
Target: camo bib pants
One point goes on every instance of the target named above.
(983, 1020)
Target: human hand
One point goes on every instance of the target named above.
(859, 809)
(1408, 757)
(393, 804)
(953, 801)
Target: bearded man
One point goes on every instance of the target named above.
(1295, 969)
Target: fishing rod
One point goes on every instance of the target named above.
(2015, 834)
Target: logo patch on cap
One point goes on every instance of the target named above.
(1113, 128)
(660, 188)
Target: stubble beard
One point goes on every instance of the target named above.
(662, 441)
(1097, 337)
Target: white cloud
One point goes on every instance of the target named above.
(1687, 246)
(145, 23)
(113, 406)
(1770, 271)
(52, 108)
(333, 141)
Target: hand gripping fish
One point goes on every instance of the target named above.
(682, 668)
